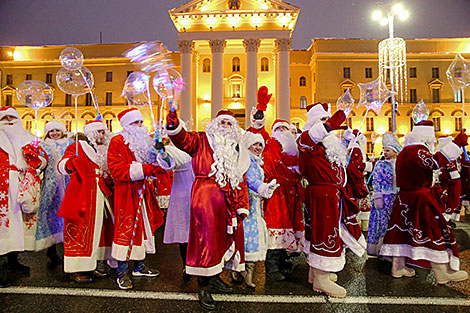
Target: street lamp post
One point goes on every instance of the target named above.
(392, 54)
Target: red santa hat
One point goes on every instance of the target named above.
(278, 123)
(4, 111)
(93, 125)
(424, 129)
(317, 111)
(225, 114)
(54, 125)
(250, 139)
(130, 116)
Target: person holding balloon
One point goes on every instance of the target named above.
(87, 204)
(20, 157)
(49, 231)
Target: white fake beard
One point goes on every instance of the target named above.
(224, 143)
(428, 141)
(14, 138)
(335, 151)
(287, 141)
(138, 140)
(101, 149)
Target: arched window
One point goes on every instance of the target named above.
(303, 102)
(264, 64)
(302, 81)
(235, 64)
(206, 65)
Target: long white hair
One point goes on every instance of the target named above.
(138, 140)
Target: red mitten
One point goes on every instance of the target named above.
(461, 139)
(263, 98)
(31, 154)
(148, 169)
(336, 120)
(70, 164)
(172, 121)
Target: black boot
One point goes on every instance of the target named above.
(15, 266)
(205, 297)
(53, 257)
(273, 265)
(215, 282)
(5, 273)
(183, 250)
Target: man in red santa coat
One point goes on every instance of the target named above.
(329, 212)
(18, 157)
(136, 210)
(87, 204)
(417, 229)
(219, 200)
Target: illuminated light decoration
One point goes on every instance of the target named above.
(263, 5)
(377, 15)
(392, 56)
(17, 56)
(212, 21)
(381, 130)
(284, 20)
(257, 20)
(234, 20)
(10, 53)
(184, 22)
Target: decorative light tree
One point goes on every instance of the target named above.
(392, 55)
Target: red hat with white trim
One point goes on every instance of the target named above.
(226, 114)
(278, 123)
(130, 116)
(4, 111)
(424, 128)
(317, 111)
(93, 126)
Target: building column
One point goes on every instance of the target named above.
(251, 49)
(283, 46)
(186, 48)
(217, 84)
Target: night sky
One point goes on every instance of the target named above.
(49, 22)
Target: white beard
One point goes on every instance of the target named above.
(224, 142)
(101, 149)
(12, 139)
(138, 140)
(287, 141)
(335, 151)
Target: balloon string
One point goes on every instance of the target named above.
(95, 104)
(355, 137)
(76, 125)
(36, 141)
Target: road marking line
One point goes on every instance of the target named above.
(151, 295)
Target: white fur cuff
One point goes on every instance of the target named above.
(454, 175)
(136, 172)
(317, 132)
(369, 167)
(61, 167)
(451, 151)
(175, 131)
(243, 211)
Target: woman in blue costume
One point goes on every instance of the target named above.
(49, 226)
(385, 190)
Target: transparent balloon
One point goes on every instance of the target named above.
(76, 82)
(420, 112)
(71, 58)
(458, 73)
(151, 56)
(345, 102)
(374, 95)
(374, 137)
(34, 94)
(169, 84)
(136, 88)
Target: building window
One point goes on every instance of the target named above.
(9, 100)
(303, 102)
(370, 147)
(458, 123)
(68, 100)
(346, 72)
(48, 78)
(302, 81)
(236, 90)
(109, 76)
(435, 72)
(29, 76)
(129, 73)
(437, 123)
(413, 72)
(88, 100)
(390, 124)
(436, 95)
(458, 96)
(28, 125)
(370, 124)
(109, 98)
(264, 65)
(109, 124)
(68, 125)
(368, 72)
(206, 65)
(236, 64)
(9, 79)
(413, 96)
(412, 123)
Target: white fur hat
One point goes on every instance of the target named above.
(317, 111)
(250, 139)
(130, 116)
(4, 111)
(443, 141)
(424, 129)
(93, 126)
(278, 123)
(54, 125)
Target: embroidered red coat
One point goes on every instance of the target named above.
(86, 209)
(356, 186)
(330, 223)
(216, 232)
(449, 181)
(129, 181)
(283, 211)
(417, 229)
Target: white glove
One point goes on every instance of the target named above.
(348, 134)
(266, 190)
(271, 187)
(378, 200)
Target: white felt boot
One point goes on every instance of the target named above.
(444, 274)
(399, 269)
(322, 283)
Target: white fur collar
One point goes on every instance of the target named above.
(89, 151)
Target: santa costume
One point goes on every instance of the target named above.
(20, 158)
(219, 200)
(136, 210)
(87, 204)
(417, 229)
(385, 187)
(50, 226)
(329, 213)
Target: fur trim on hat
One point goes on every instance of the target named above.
(130, 116)
(54, 125)
(93, 126)
(250, 139)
